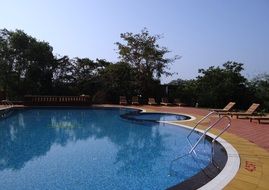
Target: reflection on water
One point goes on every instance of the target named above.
(31, 133)
(75, 138)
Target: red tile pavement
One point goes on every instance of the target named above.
(252, 131)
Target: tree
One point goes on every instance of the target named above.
(118, 79)
(6, 63)
(87, 74)
(40, 67)
(26, 64)
(186, 91)
(217, 86)
(63, 79)
(147, 58)
(260, 87)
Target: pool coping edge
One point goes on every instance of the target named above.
(231, 167)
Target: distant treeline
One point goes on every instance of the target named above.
(216, 86)
(28, 66)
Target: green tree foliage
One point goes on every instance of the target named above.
(34, 62)
(78, 76)
(27, 64)
(6, 63)
(260, 86)
(186, 91)
(146, 57)
(87, 74)
(63, 79)
(119, 79)
(216, 86)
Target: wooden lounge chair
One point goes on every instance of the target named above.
(259, 118)
(152, 101)
(123, 100)
(249, 112)
(135, 100)
(227, 108)
(165, 102)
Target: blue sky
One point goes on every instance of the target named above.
(203, 32)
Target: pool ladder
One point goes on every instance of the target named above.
(193, 147)
(4, 111)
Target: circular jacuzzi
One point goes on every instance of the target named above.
(155, 116)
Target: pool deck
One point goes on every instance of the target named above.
(250, 139)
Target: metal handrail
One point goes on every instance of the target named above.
(210, 127)
(201, 120)
(217, 136)
(197, 124)
(203, 135)
(225, 129)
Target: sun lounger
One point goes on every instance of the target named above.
(123, 100)
(165, 102)
(259, 118)
(135, 100)
(227, 108)
(152, 101)
(250, 112)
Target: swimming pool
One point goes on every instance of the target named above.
(79, 148)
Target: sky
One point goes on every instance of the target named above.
(203, 32)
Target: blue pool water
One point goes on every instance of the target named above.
(77, 148)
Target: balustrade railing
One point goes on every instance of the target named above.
(57, 100)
